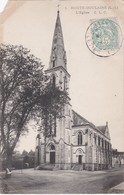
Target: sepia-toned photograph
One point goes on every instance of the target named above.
(61, 97)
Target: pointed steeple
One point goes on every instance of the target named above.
(58, 53)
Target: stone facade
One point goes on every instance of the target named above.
(94, 150)
(77, 143)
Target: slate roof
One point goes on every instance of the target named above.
(102, 128)
(79, 120)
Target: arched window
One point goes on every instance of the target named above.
(61, 77)
(54, 80)
(98, 141)
(79, 138)
(53, 63)
(102, 143)
(52, 147)
(54, 57)
(54, 126)
(65, 83)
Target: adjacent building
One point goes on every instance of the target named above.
(117, 158)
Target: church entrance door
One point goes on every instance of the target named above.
(80, 159)
(52, 157)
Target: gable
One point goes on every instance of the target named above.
(104, 130)
(107, 132)
(77, 119)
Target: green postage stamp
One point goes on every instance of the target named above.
(103, 37)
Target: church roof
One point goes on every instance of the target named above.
(102, 129)
(78, 120)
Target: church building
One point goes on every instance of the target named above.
(76, 143)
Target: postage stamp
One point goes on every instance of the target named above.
(103, 37)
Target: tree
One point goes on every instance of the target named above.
(31, 153)
(25, 92)
(24, 153)
(21, 85)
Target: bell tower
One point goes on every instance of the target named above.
(56, 149)
(58, 60)
(60, 77)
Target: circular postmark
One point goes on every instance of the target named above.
(103, 37)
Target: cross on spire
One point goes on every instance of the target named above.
(58, 7)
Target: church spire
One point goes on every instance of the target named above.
(58, 53)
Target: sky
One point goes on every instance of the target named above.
(96, 84)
